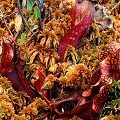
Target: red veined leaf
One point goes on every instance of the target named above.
(72, 97)
(113, 46)
(6, 65)
(12, 69)
(93, 84)
(94, 89)
(79, 109)
(21, 56)
(7, 55)
(88, 113)
(38, 83)
(110, 65)
(14, 78)
(23, 80)
(75, 35)
(8, 38)
(76, 110)
(17, 84)
(100, 99)
(79, 11)
(94, 81)
(4, 70)
(99, 93)
(94, 78)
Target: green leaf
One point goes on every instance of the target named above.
(23, 37)
(35, 27)
(37, 12)
(30, 4)
(24, 3)
(41, 1)
(113, 104)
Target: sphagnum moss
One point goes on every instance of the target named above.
(57, 23)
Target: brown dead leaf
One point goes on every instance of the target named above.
(18, 22)
(32, 57)
(3, 32)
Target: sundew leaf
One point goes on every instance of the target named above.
(30, 4)
(23, 37)
(37, 12)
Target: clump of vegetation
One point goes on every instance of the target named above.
(60, 59)
(113, 104)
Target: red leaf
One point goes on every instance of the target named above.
(12, 69)
(95, 78)
(17, 84)
(4, 70)
(74, 36)
(38, 83)
(6, 59)
(94, 82)
(25, 83)
(113, 46)
(99, 93)
(72, 97)
(79, 10)
(80, 110)
(88, 113)
(93, 89)
(100, 99)
(110, 65)
(7, 55)
(76, 110)
(14, 78)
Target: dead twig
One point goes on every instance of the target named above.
(115, 6)
(11, 14)
(5, 22)
(17, 34)
(24, 19)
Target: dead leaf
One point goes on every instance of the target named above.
(32, 57)
(102, 19)
(2, 32)
(18, 22)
